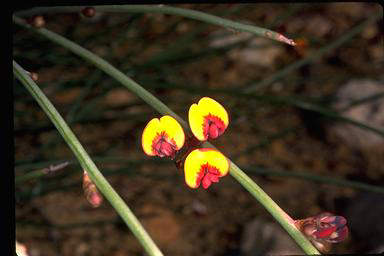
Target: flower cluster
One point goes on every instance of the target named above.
(164, 137)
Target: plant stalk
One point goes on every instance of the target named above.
(86, 162)
(192, 14)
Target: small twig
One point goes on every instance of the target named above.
(54, 168)
(41, 172)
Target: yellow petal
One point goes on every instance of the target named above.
(210, 106)
(166, 125)
(149, 134)
(207, 110)
(196, 122)
(198, 159)
(174, 130)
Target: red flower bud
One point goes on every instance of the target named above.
(91, 193)
(331, 228)
(324, 229)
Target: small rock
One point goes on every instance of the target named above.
(371, 113)
(258, 51)
(263, 238)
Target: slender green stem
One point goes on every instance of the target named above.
(48, 187)
(133, 164)
(313, 57)
(316, 178)
(86, 162)
(307, 104)
(284, 219)
(274, 209)
(66, 226)
(298, 102)
(39, 173)
(29, 176)
(370, 98)
(192, 14)
(106, 67)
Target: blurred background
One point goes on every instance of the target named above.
(285, 128)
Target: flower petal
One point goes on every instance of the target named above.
(174, 130)
(208, 105)
(149, 134)
(203, 163)
(207, 119)
(206, 182)
(169, 130)
(196, 121)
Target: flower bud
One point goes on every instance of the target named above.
(323, 230)
(89, 12)
(91, 193)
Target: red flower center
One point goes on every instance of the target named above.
(164, 146)
(213, 126)
(207, 175)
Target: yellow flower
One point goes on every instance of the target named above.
(204, 165)
(162, 137)
(207, 119)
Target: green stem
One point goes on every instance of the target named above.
(192, 14)
(86, 162)
(29, 176)
(106, 67)
(370, 98)
(302, 175)
(284, 219)
(274, 209)
(316, 178)
(48, 187)
(40, 172)
(298, 102)
(67, 226)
